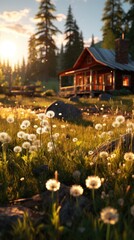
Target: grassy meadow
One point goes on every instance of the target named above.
(69, 151)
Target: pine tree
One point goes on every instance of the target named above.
(74, 40)
(32, 66)
(45, 44)
(130, 22)
(113, 16)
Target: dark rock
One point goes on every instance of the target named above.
(105, 97)
(65, 111)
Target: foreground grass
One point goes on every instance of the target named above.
(68, 148)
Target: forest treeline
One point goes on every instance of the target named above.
(45, 59)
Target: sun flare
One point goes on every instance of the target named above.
(7, 50)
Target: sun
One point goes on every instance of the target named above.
(7, 51)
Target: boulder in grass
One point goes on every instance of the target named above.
(65, 111)
(105, 97)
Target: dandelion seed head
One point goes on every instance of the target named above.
(103, 154)
(76, 190)
(109, 215)
(50, 114)
(26, 145)
(17, 149)
(26, 123)
(120, 119)
(129, 156)
(10, 119)
(53, 185)
(93, 182)
(98, 126)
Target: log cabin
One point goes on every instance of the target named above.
(99, 70)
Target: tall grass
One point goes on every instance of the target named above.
(71, 150)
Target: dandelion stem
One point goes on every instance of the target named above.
(108, 232)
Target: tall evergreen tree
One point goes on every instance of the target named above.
(74, 40)
(113, 16)
(45, 44)
(130, 21)
(32, 66)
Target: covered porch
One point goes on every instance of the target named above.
(86, 81)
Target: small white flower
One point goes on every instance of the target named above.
(116, 124)
(26, 123)
(50, 114)
(17, 149)
(129, 156)
(40, 130)
(41, 116)
(76, 190)
(10, 119)
(98, 126)
(120, 119)
(103, 154)
(93, 182)
(109, 215)
(26, 145)
(53, 185)
(20, 134)
(75, 139)
(32, 137)
(4, 137)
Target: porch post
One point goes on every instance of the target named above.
(60, 83)
(113, 80)
(75, 90)
(90, 84)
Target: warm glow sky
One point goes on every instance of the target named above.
(17, 23)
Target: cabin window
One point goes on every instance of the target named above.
(108, 79)
(126, 80)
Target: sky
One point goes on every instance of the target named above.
(17, 23)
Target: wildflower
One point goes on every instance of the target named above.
(17, 149)
(26, 123)
(90, 152)
(129, 156)
(115, 124)
(26, 145)
(109, 215)
(20, 134)
(75, 139)
(120, 119)
(10, 119)
(40, 130)
(32, 137)
(132, 210)
(50, 114)
(93, 182)
(22, 179)
(76, 190)
(53, 185)
(26, 136)
(98, 126)
(103, 154)
(4, 137)
(41, 116)
(44, 123)
(113, 155)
